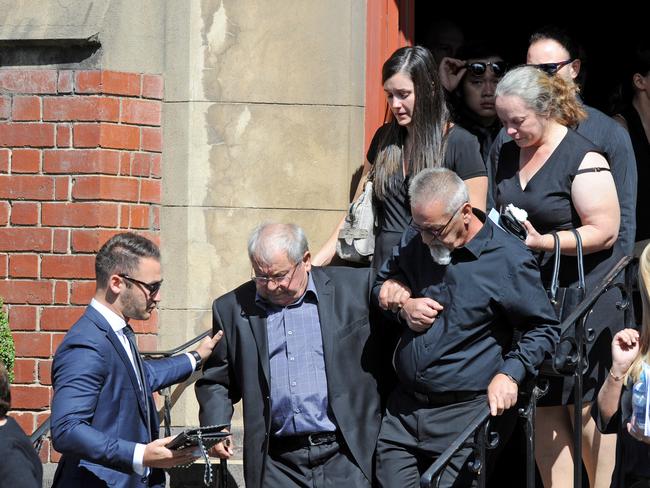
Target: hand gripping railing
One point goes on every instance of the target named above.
(477, 434)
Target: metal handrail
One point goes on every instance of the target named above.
(176, 350)
(443, 460)
(577, 336)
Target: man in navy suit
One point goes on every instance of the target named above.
(104, 419)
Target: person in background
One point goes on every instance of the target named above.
(614, 407)
(634, 115)
(470, 81)
(20, 466)
(444, 38)
(420, 135)
(563, 181)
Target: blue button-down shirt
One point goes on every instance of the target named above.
(299, 403)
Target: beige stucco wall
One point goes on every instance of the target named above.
(263, 121)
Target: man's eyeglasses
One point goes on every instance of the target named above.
(436, 233)
(151, 287)
(478, 68)
(552, 68)
(282, 279)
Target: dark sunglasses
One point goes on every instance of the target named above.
(479, 67)
(552, 68)
(151, 287)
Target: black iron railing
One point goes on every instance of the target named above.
(477, 436)
(569, 354)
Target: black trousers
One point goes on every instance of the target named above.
(327, 465)
(414, 434)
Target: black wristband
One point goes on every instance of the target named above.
(199, 360)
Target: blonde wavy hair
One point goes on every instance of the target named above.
(548, 96)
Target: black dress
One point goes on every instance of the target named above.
(20, 466)
(632, 456)
(394, 213)
(547, 199)
(641, 147)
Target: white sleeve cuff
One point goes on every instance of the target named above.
(192, 360)
(138, 459)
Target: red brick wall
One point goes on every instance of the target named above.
(79, 161)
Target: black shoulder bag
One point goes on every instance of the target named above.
(565, 300)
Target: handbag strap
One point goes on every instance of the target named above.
(581, 266)
(555, 280)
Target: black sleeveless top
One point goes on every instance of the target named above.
(547, 199)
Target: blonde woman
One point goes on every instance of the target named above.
(613, 409)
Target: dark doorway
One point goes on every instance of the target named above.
(606, 40)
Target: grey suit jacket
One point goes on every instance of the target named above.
(239, 366)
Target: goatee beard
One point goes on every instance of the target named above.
(440, 254)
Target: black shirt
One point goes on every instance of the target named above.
(491, 287)
(20, 466)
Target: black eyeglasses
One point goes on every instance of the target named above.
(478, 68)
(278, 280)
(437, 232)
(151, 287)
(552, 68)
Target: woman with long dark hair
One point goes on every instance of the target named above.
(420, 135)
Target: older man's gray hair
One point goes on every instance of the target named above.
(438, 184)
(270, 237)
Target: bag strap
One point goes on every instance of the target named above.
(555, 279)
(581, 266)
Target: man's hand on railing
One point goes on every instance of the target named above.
(224, 449)
(502, 393)
(207, 345)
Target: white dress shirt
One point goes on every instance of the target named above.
(117, 323)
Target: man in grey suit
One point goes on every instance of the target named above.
(298, 349)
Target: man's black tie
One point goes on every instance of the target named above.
(139, 368)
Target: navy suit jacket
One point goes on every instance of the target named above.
(239, 366)
(98, 413)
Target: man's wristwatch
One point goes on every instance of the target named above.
(199, 360)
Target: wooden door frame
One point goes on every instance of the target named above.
(390, 25)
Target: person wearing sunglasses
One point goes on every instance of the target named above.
(553, 49)
(104, 418)
(564, 182)
(458, 286)
(419, 135)
(470, 83)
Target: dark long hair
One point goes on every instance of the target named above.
(429, 124)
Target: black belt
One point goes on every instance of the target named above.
(445, 398)
(292, 442)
